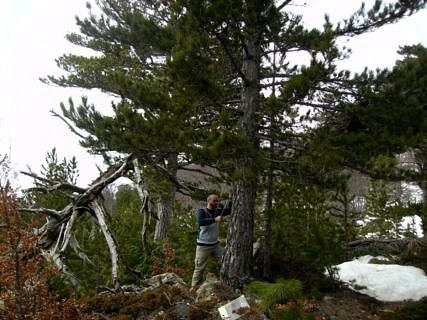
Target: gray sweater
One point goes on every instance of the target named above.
(208, 229)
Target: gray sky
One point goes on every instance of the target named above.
(32, 36)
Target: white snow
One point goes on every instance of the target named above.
(384, 282)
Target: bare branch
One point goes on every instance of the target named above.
(51, 213)
(67, 232)
(284, 4)
(54, 185)
(100, 216)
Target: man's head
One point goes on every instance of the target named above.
(212, 201)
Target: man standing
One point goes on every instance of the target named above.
(208, 245)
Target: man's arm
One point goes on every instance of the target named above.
(203, 219)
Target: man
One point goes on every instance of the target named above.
(208, 245)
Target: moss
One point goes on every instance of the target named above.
(280, 291)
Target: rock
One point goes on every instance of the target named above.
(213, 289)
(131, 288)
(164, 278)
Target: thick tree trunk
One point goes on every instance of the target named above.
(266, 271)
(166, 202)
(235, 269)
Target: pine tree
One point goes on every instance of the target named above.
(250, 34)
(386, 118)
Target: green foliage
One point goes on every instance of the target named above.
(94, 273)
(384, 212)
(280, 291)
(60, 286)
(125, 224)
(182, 237)
(385, 117)
(306, 239)
(176, 254)
(55, 171)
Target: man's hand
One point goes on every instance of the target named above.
(218, 219)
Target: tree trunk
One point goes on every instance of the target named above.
(235, 269)
(423, 213)
(266, 271)
(165, 202)
(422, 159)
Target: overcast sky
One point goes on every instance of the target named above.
(32, 36)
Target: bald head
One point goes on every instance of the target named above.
(212, 201)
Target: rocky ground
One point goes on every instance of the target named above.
(167, 297)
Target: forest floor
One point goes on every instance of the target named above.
(346, 304)
(177, 302)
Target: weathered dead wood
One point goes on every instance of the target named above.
(376, 247)
(52, 185)
(100, 216)
(366, 242)
(76, 247)
(56, 234)
(49, 212)
(145, 203)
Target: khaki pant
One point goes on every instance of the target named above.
(200, 262)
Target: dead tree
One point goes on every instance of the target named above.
(387, 247)
(56, 235)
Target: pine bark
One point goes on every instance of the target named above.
(235, 269)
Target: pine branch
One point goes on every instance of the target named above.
(55, 114)
(284, 4)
